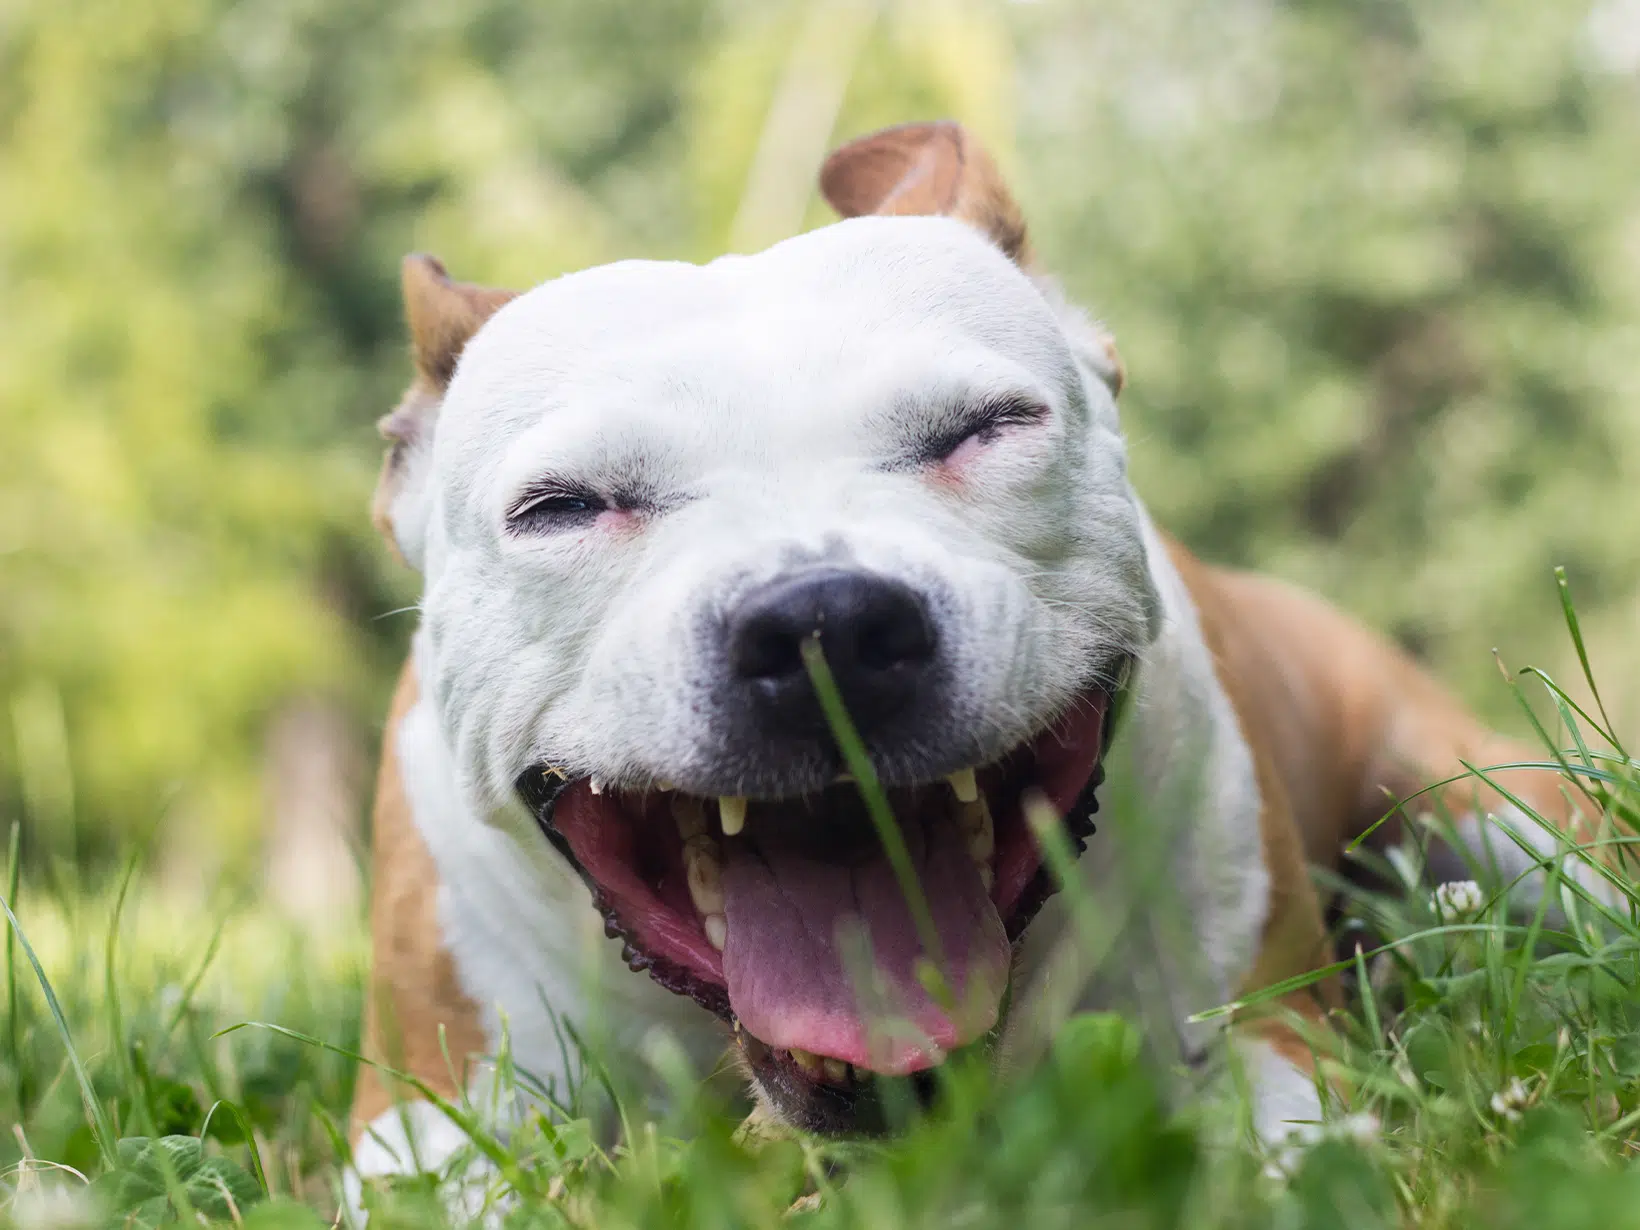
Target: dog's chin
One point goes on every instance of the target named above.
(786, 918)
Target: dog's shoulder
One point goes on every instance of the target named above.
(414, 986)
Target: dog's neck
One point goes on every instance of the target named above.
(1176, 866)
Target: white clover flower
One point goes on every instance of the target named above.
(1459, 899)
(1361, 1128)
(1507, 1102)
(47, 1196)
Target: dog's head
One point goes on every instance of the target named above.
(651, 484)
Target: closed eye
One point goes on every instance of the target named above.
(983, 422)
(551, 506)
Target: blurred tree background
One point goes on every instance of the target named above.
(1374, 266)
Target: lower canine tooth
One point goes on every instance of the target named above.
(690, 815)
(705, 880)
(732, 811)
(964, 786)
(717, 930)
(987, 877)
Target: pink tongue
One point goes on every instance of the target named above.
(794, 983)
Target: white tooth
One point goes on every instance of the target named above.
(836, 1071)
(717, 930)
(964, 785)
(689, 814)
(987, 877)
(663, 785)
(807, 1060)
(705, 880)
(732, 811)
(595, 784)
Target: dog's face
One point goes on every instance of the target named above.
(652, 485)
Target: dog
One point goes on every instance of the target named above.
(611, 801)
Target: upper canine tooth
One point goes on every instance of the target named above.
(595, 784)
(807, 1060)
(964, 785)
(663, 785)
(690, 815)
(717, 930)
(836, 1070)
(732, 811)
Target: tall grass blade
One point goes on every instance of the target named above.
(111, 987)
(14, 1025)
(1569, 610)
(859, 764)
(101, 1129)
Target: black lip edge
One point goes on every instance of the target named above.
(819, 1108)
(540, 788)
(540, 791)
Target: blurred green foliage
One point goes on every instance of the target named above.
(1374, 267)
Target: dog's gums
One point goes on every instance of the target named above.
(785, 918)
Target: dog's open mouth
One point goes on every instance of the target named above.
(786, 918)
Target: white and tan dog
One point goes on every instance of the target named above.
(608, 798)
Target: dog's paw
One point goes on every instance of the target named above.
(419, 1139)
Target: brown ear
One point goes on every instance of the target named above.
(443, 315)
(940, 168)
(936, 168)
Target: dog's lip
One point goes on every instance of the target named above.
(695, 970)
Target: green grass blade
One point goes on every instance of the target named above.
(101, 1129)
(1569, 610)
(14, 1025)
(882, 816)
(111, 987)
(232, 1108)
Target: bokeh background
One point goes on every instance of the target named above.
(1374, 266)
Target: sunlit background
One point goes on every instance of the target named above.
(1373, 265)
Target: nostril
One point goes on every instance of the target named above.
(768, 646)
(898, 635)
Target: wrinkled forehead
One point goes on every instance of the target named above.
(835, 320)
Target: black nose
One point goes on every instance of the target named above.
(875, 633)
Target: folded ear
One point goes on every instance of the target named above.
(442, 315)
(941, 168)
(936, 168)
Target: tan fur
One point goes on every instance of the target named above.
(413, 988)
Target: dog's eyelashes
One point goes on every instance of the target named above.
(548, 508)
(982, 423)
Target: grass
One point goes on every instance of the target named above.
(1494, 1054)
